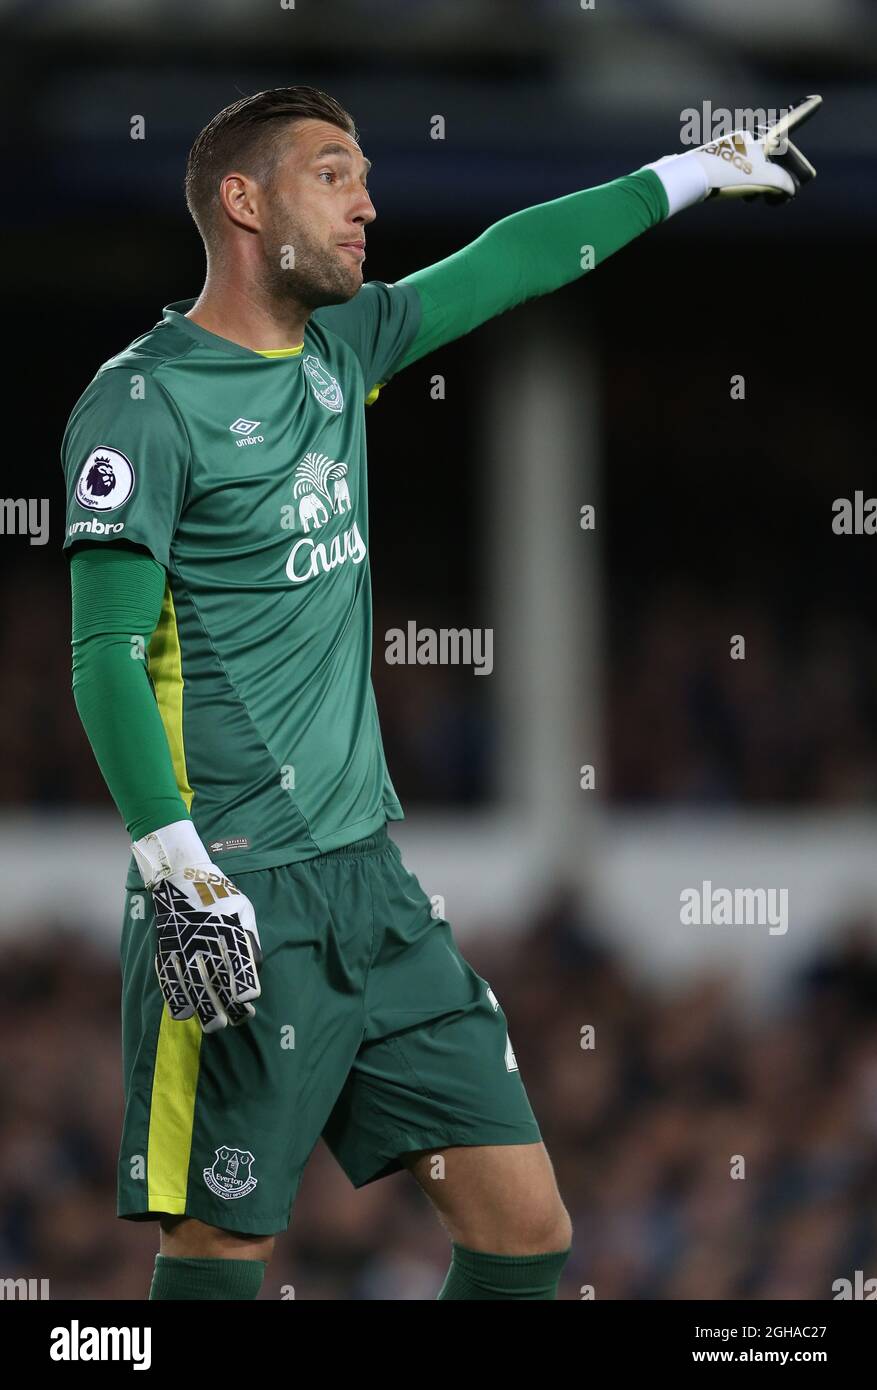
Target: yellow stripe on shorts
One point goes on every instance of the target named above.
(177, 1058)
(172, 1113)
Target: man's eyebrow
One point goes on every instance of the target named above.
(334, 148)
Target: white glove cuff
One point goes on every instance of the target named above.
(164, 852)
(684, 178)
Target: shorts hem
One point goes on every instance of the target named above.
(256, 1226)
(410, 1142)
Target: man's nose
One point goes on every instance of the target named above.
(365, 210)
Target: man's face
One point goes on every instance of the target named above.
(319, 206)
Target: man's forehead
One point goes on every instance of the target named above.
(315, 138)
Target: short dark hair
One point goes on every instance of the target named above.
(245, 136)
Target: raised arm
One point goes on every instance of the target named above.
(541, 248)
(530, 253)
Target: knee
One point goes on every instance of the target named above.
(556, 1233)
(536, 1230)
(187, 1238)
(542, 1231)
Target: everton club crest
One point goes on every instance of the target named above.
(231, 1174)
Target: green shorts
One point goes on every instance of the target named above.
(371, 1030)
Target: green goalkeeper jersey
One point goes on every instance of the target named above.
(244, 475)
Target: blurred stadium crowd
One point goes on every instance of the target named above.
(643, 1128)
(794, 723)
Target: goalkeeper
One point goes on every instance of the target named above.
(283, 975)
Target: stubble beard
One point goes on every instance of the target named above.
(316, 278)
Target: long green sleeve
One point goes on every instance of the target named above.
(117, 597)
(530, 253)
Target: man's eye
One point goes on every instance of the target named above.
(327, 173)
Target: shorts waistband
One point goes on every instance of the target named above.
(371, 844)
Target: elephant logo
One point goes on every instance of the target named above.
(321, 489)
(341, 496)
(311, 509)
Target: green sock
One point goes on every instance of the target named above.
(179, 1277)
(474, 1274)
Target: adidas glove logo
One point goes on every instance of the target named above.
(733, 150)
(210, 885)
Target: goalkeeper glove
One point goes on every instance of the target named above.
(207, 941)
(743, 165)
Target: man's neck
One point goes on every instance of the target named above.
(246, 319)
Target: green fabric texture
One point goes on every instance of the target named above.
(475, 1274)
(179, 1277)
(117, 595)
(529, 253)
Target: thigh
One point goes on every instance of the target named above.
(502, 1199)
(436, 1066)
(186, 1237)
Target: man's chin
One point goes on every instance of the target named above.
(340, 292)
(355, 282)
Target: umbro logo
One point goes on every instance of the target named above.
(246, 427)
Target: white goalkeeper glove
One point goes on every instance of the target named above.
(743, 165)
(207, 942)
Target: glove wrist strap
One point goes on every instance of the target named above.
(165, 851)
(684, 178)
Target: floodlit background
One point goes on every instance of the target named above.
(611, 646)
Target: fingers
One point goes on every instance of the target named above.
(781, 189)
(241, 955)
(186, 995)
(212, 999)
(228, 978)
(776, 138)
(794, 163)
(173, 987)
(207, 963)
(244, 954)
(240, 1013)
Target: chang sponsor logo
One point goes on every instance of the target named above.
(322, 492)
(309, 558)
